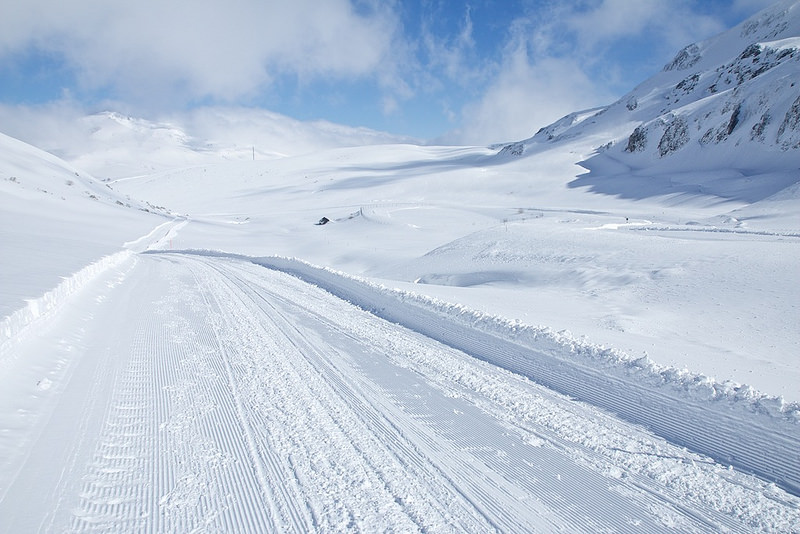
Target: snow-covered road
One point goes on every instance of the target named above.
(182, 393)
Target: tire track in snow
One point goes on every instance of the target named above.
(272, 473)
(711, 427)
(381, 431)
(473, 487)
(49, 431)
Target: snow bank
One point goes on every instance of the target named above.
(14, 324)
(730, 422)
(714, 229)
(378, 299)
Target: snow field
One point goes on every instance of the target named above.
(55, 392)
(483, 240)
(14, 324)
(707, 286)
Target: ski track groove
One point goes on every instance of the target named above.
(191, 481)
(246, 484)
(674, 416)
(658, 495)
(244, 399)
(241, 419)
(337, 395)
(471, 484)
(259, 444)
(233, 294)
(653, 492)
(471, 481)
(367, 412)
(668, 418)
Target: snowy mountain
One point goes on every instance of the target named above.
(721, 118)
(112, 145)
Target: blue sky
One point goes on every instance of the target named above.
(462, 71)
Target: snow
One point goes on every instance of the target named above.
(558, 334)
(110, 145)
(56, 221)
(678, 302)
(217, 405)
(672, 281)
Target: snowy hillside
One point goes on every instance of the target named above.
(723, 118)
(111, 145)
(55, 220)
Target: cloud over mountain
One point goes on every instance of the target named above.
(163, 52)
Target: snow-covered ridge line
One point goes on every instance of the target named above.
(712, 229)
(732, 423)
(12, 325)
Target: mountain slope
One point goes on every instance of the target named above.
(722, 118)
(55, 221)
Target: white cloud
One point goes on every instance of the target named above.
(749, 7)
(114, 146)
(53, 127)
(163, 54)
(570, 57)
(453, 56)
(611, 19)
(157, 50)
(525, 96)
(669, 26)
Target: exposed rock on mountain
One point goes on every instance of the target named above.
(731, 102)
(789, 131)
(685, 59)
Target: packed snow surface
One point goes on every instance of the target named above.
(215, 394)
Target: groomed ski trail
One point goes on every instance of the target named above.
(196, 393)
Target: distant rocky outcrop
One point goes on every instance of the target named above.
(730, 103)
(685, 59)
(676, 135)
(789, 130)
(513, 149)
(637, 142)
(741, 88)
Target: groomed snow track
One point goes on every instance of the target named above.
(731, 424)
(202, 392)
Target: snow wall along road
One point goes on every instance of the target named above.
(731, 423)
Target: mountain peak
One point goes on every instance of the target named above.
(730, 103)
(684, 59)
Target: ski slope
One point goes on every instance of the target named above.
(207, 393)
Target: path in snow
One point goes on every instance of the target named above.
(181, 393)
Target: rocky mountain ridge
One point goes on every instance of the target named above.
(731, 102)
